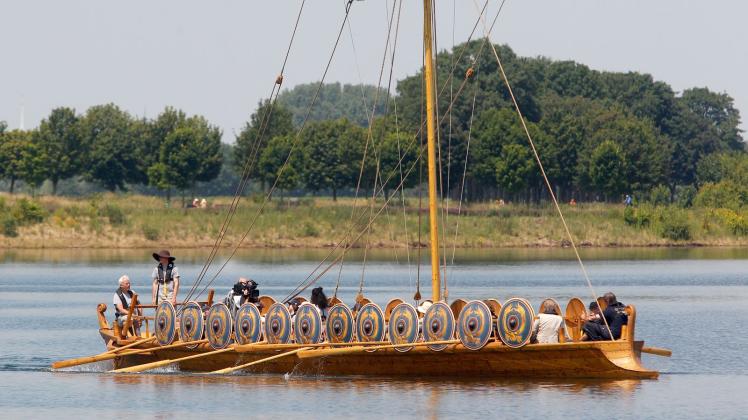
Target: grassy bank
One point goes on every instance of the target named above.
(131, 221)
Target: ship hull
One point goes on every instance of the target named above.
(615, 360)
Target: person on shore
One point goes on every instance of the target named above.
(320, 300)
(122, 301)
(546, 328)
(165, 278)
(615, 317)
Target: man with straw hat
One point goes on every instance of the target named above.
(165, 278)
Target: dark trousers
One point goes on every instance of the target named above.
(595, 331)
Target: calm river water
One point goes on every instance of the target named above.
(691, 301)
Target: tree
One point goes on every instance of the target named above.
(20, 159)
(112, 158)
(515, 168)
(272, 160)
(607, 169)
(335, 101)
(60, 145)
(332, 155)
(189, 154)
(258, 131)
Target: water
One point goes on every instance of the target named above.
(690, 301)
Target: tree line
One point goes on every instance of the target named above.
(108, 146)
(599, 134)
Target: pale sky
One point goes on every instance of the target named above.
(218, 58)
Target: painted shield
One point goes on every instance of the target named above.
(248, 324)
(370, 323)
(191, 323)
(218, 328)
(340, 324)
(403, 326)
(165, 321)
(438, 325)
(576, 314)
(474, 325)
(278, 324)
(307, 326)
(515, 322)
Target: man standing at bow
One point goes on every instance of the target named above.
(165, 278)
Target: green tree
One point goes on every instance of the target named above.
(189, 154)
(332, 155)
(272, 160)
(335, 101)
(20, 159)
(60, 145)
(112, 158)
(515, 168)
(607, 170)
(258, 131)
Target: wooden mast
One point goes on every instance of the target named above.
(431, 137)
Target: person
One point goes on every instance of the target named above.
(549, 322)
(245, 290)
(195, 203)
(615, 317)
(320, 300)
(165, 278)
(572, 202)
(628, 201)
(203, 204)
(122, 301)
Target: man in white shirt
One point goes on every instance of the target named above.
(546, 327)
(122, 301)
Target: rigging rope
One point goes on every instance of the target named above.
(487, 33)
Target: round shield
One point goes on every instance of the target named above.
(390, 306)
(340, 324)
(403, 326)
(248, 324)
(474, 325)
(438, 325)
(278, 324)
(219, 323)
(515, 322)
(370, 323)
(307, 327)
(575, 317)
(191, 323)
(457, 307)
(165, 321)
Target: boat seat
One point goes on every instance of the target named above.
(627, 330)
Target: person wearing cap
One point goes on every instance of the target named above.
(165, 278)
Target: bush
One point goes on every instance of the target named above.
(28, 212)
(639, 217)
(659, 196)
(150, 233)
(310, 230)
(684, 196)
(115, 214)
(9, 226)
(724, 194)
(674, 225)
(737, 224)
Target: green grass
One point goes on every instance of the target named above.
(132, 221)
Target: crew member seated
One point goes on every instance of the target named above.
(546, 327)
(245, 290)
(615, 317)
(320, 300)
(122, 301)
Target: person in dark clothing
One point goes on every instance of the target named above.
(319, 299)
(615, 316)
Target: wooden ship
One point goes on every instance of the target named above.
(464, 339)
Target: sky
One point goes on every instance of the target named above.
(219, 58)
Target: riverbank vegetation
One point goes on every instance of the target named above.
(135, 221)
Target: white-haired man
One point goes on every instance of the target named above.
(122, 301)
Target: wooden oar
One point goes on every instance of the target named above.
(118, 349)
(108, 356)
(657, 351)
(257, 362)
(161, 363)
(357, 349)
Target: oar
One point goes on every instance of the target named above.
(160, 363)
(118, 349)
(108, 356)
(257, 362)
(657, 351)
(357, 349)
